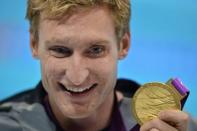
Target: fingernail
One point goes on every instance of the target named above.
(154, 129)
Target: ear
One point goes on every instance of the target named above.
(124, 45)
(34, 45)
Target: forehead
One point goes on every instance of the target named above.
(80, 15)
(85, 22)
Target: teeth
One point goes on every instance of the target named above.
(82, 89)
(77, 89)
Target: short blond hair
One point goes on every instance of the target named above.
(57, 8)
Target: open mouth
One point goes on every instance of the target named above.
(77, 90)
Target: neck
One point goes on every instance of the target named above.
(98, 120)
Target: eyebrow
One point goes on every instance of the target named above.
(69, 41)
(57, 41)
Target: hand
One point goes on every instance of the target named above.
(169, 120)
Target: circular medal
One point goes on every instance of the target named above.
(151, 98)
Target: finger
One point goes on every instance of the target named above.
(157, 124)
(154, 129)
(176, 118)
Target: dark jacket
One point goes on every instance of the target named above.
(26, 111)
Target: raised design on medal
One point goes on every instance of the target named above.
(151, 98)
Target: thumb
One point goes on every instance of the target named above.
(154, 129)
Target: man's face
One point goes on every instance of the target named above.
(78, 61)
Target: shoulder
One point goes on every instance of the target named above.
(30, 96)
(127, 87)
(125, 108)
(22, 116)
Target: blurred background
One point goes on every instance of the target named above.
(164, 45)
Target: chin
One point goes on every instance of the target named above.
(76, 111)
(77, 115)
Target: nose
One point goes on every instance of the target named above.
(77, 72)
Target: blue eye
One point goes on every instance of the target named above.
(96, 51)
(60, 52)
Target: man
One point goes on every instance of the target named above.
(79, 43)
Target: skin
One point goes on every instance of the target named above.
(168, 120)
(79, 52)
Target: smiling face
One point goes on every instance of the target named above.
(78, 59)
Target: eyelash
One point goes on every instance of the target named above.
(60, 52)
(96, 51)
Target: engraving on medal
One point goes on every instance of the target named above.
(152, 98)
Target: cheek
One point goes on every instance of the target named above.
(108, 65)
(108, 68)
(106, 71)
(51, 72)
(106, 76)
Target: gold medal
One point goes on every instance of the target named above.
(151, 98)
